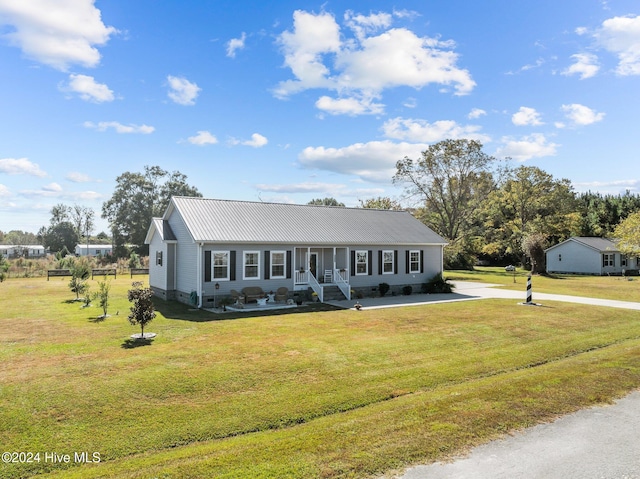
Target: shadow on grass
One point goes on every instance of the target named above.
(177, 310)
(135, 343)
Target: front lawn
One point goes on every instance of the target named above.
(317, 394)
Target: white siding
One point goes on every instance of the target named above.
(573, 257)
(187, 262)
(158, 273)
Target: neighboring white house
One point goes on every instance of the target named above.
(205, 247)
(589, 255)
(94, 250)
(23, 251)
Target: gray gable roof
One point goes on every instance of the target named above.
(225, 221)
(163, 228)
(602, 245)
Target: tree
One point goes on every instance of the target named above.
(137, 198)
(533, 246)
(628, 234)
(59, 237)
(82, 219)
(449, 178)
(102, 295)
(4, 267)
(325, 202)
(380, 203)
(142, 311)
(80, 271)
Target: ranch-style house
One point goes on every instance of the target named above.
(202, 249)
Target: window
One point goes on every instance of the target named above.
(220, 265)
(159, 258)
(362, 262)
(414, 261)
(608, 259)
(251, 265)
(559, 257)
(278, 264)
(387, 262)
(623, 260)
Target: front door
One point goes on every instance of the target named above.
(313, 264)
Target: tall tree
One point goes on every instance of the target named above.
(137, 198)
(60, 237)
(448, 178)
(628, 234)
(82, 219)
(325, 202)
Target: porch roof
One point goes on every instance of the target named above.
(225, 221)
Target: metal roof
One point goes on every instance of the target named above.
(163, 228)
(603, 245)
(225, 221)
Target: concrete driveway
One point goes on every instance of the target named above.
(596, 443)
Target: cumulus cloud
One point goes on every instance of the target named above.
(76, 177)
(4, 191)
(362, 67)
(476, 113)
(621, 36)
(182, 91)
(533, 146)
(422, 131)
(119, 127)
(373, 161)
(526, 116)
(580, 115)
(328, 189)
(203, 138)
(235, 44)
(88, 88)
(256, 141)
(585, 65)
(349, 106)
(20, 166)
(58, 34)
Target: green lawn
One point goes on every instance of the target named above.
(605, 287)
(309, 394)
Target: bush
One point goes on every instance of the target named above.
(407, 290)
(383, 288)
(437, 284)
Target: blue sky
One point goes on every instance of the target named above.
(297, 100)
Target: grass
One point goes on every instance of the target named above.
(603, 287)
(309, 394)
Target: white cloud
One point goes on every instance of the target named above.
(119, 127)
(203, 138)
(613, 187)
(476, 113)
(581, 115)
(621, 36)
(526, 116)
(20, 166)
(423, 131)
(256, 141)
(533, 146)
(52, 188)
(76, 177)
(374, 161)
(349, 106)
(4, 191)
(58, 34)
(235, 44)
(88, 88)
(362, 67)
(182, 91)
(586, 65)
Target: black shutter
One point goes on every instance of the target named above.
(422, 261)
(380, 262)
(408, 262)
(370, 258)
(395, 262)
(289, 264)
(232, 265)
(267, 264)
(353, 263)
(207, 266)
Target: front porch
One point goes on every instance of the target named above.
(321, 267)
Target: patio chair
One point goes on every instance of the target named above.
(237, 297)
(282, 294)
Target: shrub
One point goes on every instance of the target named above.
(383, 288)
(407, 290)
(437, 284)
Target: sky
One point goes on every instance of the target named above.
(289, 101)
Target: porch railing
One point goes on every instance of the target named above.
(313, 282)
(341, 279)
(302, 277)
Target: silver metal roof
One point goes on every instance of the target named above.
(225, 221)
(603, 245)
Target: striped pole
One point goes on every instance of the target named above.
(529, 289)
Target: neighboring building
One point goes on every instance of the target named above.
(200, 244)
(23, 251)
(94, 250)
(589, 255)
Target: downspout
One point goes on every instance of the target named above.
(199, 275)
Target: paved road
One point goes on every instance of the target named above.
(596, 443)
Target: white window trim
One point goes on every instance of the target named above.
(284, 264)
(608, 260)
(244, 265)
(393, 261)
(411, 263)
(213, 265)
(366, 262)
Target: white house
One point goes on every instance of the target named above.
(94, 249)
(589, 255)
(26, 251)
(206, 247)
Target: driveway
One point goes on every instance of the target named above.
(596, 443)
